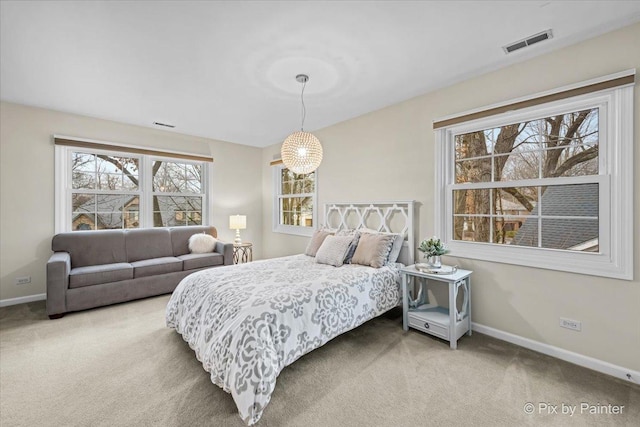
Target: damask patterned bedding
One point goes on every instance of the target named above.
(247, 322)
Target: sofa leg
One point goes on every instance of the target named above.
(56, 316)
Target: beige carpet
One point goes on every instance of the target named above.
(121, 366)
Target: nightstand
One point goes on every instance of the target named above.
(242, 252)
(446, 323)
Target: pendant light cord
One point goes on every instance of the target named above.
(304, 109)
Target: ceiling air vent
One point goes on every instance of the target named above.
(164, 125)
(536, 38)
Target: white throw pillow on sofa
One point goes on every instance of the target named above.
(202, 243)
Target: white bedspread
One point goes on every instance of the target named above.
(247, 322)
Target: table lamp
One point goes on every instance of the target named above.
(237, 222)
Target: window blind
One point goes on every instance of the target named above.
(122, 148)
(562, 94)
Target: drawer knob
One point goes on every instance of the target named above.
(426, 326)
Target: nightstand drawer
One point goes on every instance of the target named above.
(428, 326)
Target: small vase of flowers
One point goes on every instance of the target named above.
(433, 249)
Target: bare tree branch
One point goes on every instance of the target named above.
(120, 166)
(573, 127)
(524, 201)
(576, 159)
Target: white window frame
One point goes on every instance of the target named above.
(615, 179)
(63, 184)
(277, 195)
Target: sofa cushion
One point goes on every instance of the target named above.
(97, 274)
(91, 247)
(154, 266)
(180, 237)
(148, 243)
(193, 261)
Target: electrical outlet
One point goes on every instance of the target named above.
(574, 325)
(23, 280)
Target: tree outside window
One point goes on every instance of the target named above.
(295, 202)
(106, 191)
(544, 184)
(490, 202)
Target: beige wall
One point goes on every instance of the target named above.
(27, 189)
(388, 154)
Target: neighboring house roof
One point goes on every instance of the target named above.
(508, 205)
(558, 233)
(88, 219)
(109, 210)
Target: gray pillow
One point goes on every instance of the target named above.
(373, 249)
(352, 248)
(316, 241)
(333, 250)
(396, 248)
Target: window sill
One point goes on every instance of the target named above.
(294, 230)
(593, 264)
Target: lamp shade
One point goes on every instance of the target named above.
(238, 222)
(301, 152)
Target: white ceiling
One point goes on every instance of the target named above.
(226, 70)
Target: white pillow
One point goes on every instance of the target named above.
(202, 243)
(315, 242)
(333, 250)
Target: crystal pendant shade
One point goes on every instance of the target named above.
(301, 152)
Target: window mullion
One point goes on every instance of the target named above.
(539, 217)
(161, 193)
(586, 179)
(146, 202)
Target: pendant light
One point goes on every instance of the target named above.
(301, 151)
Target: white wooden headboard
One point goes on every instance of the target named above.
(391, 217)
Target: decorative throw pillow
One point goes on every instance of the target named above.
(352, 248)
(202, 243)
(316, 241)
(373, 249)
(345, 232)
(333, 250)
(397, 243)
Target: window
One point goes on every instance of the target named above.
(105, 192)
(177, 193)
(518, 184)
(294, 207)
(100, 189)
(545, 186)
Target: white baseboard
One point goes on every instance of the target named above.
(21, 300)
(560, 353)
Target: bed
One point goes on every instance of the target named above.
(247, 322)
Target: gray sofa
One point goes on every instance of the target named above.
(95, 268)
